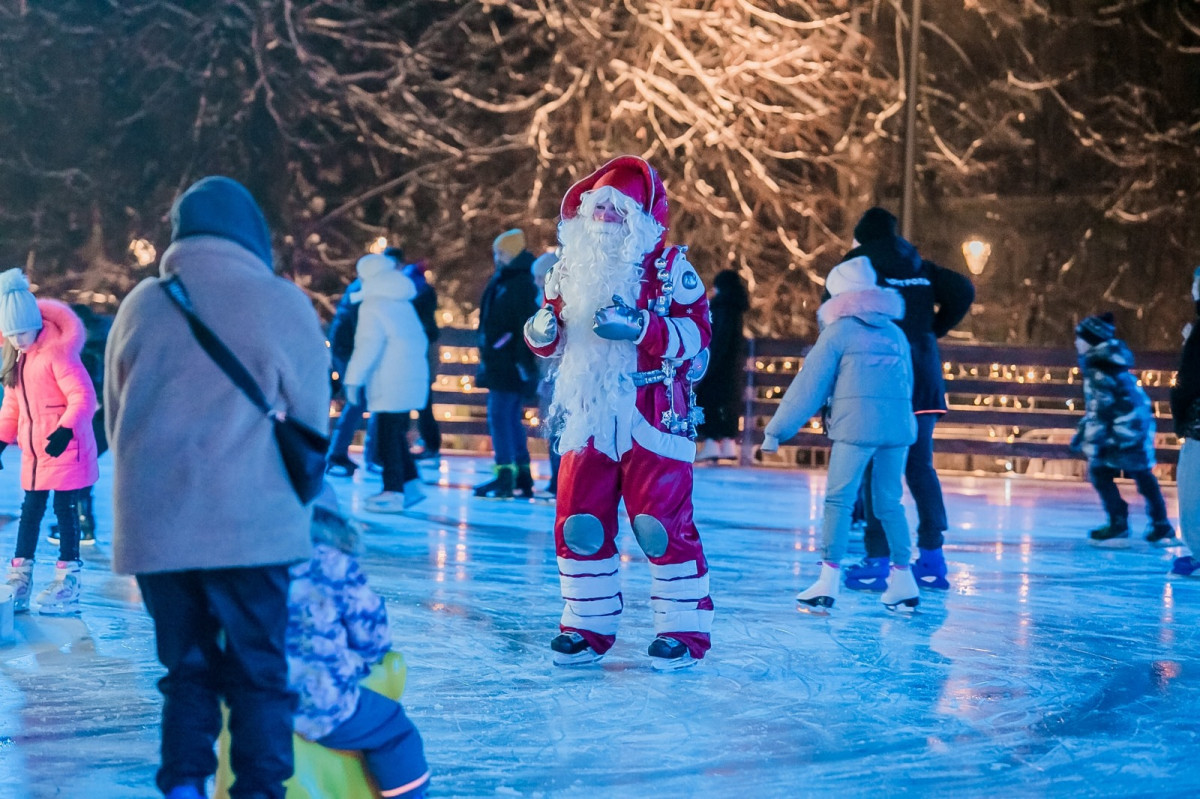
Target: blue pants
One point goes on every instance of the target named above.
(504, 413)
(220, 633)
(847, 464)
(926, 492)
(345, 428)
(1188, 479)
(1103, 478)
(66, 510)
(389, 742)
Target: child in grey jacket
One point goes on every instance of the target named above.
(861, 366)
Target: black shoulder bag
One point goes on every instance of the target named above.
(302, 448)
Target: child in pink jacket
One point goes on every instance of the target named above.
(47, 411)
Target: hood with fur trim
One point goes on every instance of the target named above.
(876, 307)
(62, 329)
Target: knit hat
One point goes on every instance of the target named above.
(374, 264)
(1097, 329)
(18, 307)
(876, 223)
(218, 206)
(509, 243)
(857, 274)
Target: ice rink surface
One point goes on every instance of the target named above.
(1050, 668)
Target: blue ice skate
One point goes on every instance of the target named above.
(1187, 566)
(870, 575)
(929, 569)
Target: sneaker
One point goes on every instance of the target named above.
(386, 502)
(572, 649)
(1187, 566)
(870, 575)
(1162, 535)
(929, 569)
(340, 466)
(61, 596)
(20, 580)
(667, 654)
(1114, 535)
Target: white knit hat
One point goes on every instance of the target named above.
(374, 264)
(857, 274)
(18, 307)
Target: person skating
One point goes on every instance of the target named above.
(1185, 410)
(720, 392)
(341, 348)
(47, 411)
(425, 304)
(506, 367)
(1116, 434)
(627, 314)
(935, 301)
(861, 366)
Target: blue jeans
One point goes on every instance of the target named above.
(345, 428)
(1103, 478)
(847, 465)
(926, 492)
(389, 742)
(1187, 474)
(504, 412)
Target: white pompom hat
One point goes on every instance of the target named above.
(857, 274)
(19, 311)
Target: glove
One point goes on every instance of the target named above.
(618, 322)
(770, 444)
(542, 328)
(58, 441)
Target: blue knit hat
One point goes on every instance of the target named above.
(1097, 329)
(219, 206)
(18, 307)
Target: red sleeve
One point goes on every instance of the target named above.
(679, 335)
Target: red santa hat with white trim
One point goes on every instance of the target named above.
(632, 176)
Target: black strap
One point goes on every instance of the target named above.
(216, 349)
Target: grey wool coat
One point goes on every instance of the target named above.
(198, 481)
(861, 366)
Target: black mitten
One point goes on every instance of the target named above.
(58, 441)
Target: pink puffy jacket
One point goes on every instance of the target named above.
(53, 390)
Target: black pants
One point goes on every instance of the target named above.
(926, 492)
(220, 633)
(66, 510)
(392, 446)
(427, 426)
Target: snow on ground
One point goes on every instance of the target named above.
(1050, 667)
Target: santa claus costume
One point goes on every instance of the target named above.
(626, 316)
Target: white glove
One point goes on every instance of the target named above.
(618, 322)
(541, 329)
(770, 444)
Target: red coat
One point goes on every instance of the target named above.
(53, 390)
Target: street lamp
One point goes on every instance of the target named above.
(976, 252)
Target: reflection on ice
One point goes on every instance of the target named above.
(1049, 667)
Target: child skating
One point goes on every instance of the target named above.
(47, 411)
(1116, 434)
(861, 365)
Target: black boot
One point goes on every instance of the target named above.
(499, 487)
(1114, 535)
(524, 483)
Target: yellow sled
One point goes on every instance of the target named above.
(323, 773)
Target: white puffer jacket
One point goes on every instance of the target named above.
(389, 342)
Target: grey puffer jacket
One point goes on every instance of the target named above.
(862, 366)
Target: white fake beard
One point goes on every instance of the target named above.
(593, 389)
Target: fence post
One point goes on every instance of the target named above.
(746, 456)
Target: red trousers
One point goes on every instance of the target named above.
(658, 498)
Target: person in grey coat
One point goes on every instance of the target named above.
(861, 366)
(204, 513)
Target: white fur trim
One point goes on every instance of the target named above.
(672, 339)
(601, 625)
(887, 302)
(660, 442)
(645, 327)
(679, 292)
(689, 337)
(601, 606)
(575, 568)
(599, 587)
(673, 571)
(683, 621)
(694, 588)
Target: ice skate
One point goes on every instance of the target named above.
(499, 487)
(1162, 535)
(524, 482)
(1114, 535)
(20, 579)
(1187, 566)
(709, 451)
(61, 596)
(413, 493)
(729, 449)
(667, 654)
(870, 575)
(386, 502)
(185, 792)
(902, 593)
(929, 569)
(340, 466)
(819, 597)
(572, 649)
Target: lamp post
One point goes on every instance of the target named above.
(910, 121)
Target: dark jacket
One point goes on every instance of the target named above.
(1185, 394)
(426, 301)
(720, 392)
(1117, 429)
(935, 300)
(345, 321)
(510, 298)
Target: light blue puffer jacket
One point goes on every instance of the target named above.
(861, 365)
